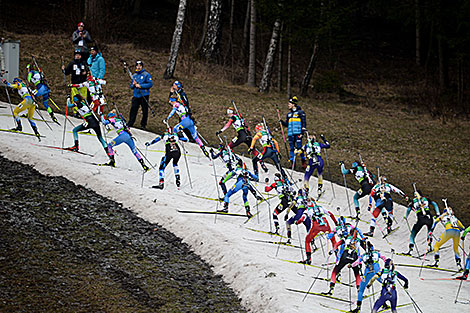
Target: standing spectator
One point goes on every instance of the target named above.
(77, 70)
(296, 127)
(96, 63)
(81, 38)
(140, 84)
(2, 58)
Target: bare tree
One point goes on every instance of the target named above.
(213, 34)
(268, 64)
(279, 67)
(310, 69)
(418, 32)
(204, 29)
(252, 57)
(175, 43)
(289, 70)
(246, 29)
(95, 16)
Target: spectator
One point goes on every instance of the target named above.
(77, 70)
(81, 38)
(296, 127)
(96, 63)
(140, 84)
(2, 58)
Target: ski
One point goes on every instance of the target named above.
(411, 256)
(249, 219)
(102, 164)
(203, 197)
(212, 212)
(381, 310)
(296, 262)
(20, 132)
(273, 242)
(391, 232)
(444, 278)
(266, 232)
(319, 196)
(353, 218)
(428, 267)
(65, 149)
(327, 279)
(319, 294)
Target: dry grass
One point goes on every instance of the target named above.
(408, 147)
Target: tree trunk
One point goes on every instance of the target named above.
(418, 32)
(310, 69)
(246, 29)
(232, 11)
(279, 66)
(204, 30)
(268, 64)
(252, 56)
(136, 7)
(289, 71)
(443, 63)
(211, 44)
(95, 18)
(175, 43)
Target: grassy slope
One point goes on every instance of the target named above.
(408, 147)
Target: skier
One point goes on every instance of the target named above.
(389, 276)
(365, 179)
(243, 177)
(124, 135)
(270, 149)
(467, 263)
(420, 205)
(95, 90)
(90, 122)
(347, 252)
(172, 152)
(186, 122)
(452, 231)
(319, 224)
(298, 207)
(177, 92)
(40, 89)
(26, 104)
(296, 127)
(230, 160)
(343, 229)
(370, 259)
(383, 203)
(315, 162)
(284, 193)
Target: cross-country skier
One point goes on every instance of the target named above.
(453, 227)
(186, 122)
(124, 136)
(26, 104)
(370, 258)
(95, 90)
(421, 205)
(296, 127)
(270, 149)
(177, 92)
(365, 179)
(467, 263)
(243, 133)
(315, 162)
(319, 224)
(388, 276)
(230, 160)
(284, 192)
(90, 122)
(298, 206)
(40, 89)
(243, 182)
(347, 252)
(172, 152)
(381, 193)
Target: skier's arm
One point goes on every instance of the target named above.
(226, 125)
(79, 85)
(332, 216)
(436, 207)
(270, 187)
(344, 171)
(228, 176)
(410, 207)
(284, 122)
(253, 176)
(183, 139)
(405, 280)
(30, 75)
(104, 121)
(396, 190)
(255, 138)
(68, 69)
(171, 113)
(75, 37)
(157, 139)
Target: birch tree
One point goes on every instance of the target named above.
(176, 41)
(268, 64)
(214, 27)
(252, 56)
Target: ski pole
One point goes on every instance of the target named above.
(11, 109)
(313, 283)
(282, 131)
(415, 305)
(424, 257)
(347, 196)
(187, 167)
(458, 291)
(217, 187)
(301, 248)
(329, 173)
(269, 205)
(409, 229)
(65, 123)
(349, 278)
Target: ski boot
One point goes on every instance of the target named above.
(263, 166)
(144, 167)
(371, 232)
(277, 229)
(111, 162)
(320, 191)
(358, 307)
(464, 276)
(225, 209)
(18, 128)
(358, 212)
(75, 147)
(51, 114)
(160, 184)
(248, 213)
(289, 241)
(436, 263)
(308, 259)
(35, 129)
(389, 225)
(410, 249)
(329, 292)
(178, 180)
(205, 152)
(459, 264)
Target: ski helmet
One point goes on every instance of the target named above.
(178, 84)
(111, 114)
(17, 80)
(230, 110)
(277, 177)
(259, 127)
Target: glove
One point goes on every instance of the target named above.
(300, 220)
(218, 132)
(369, 207)
(404, 217)
(286, 217)
(259, 198)
(406, 198)
(147, 144)
(331, 252)
(4, 81)
(463, 238)
(405, 285)
(304, 130)
(250, 150)
(322, 137)
(430, 234)
(297, 152)
(165, 121)
(368, 286)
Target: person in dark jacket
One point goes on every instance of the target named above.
(81, 38)
(140, 84)
(296, 127)
(77, 70)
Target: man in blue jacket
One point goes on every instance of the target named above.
(296, 127)
(140, 84)
(96, 63)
